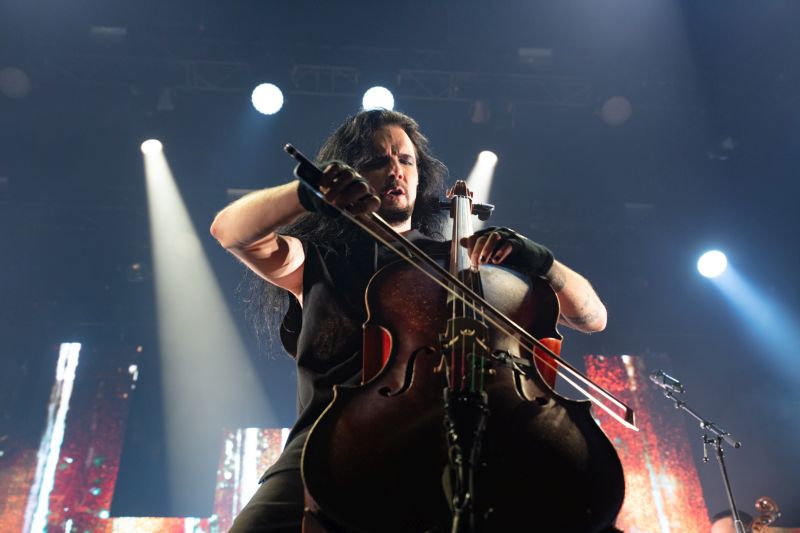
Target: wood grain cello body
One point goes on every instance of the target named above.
(377, 459)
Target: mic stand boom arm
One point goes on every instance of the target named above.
(720, 435)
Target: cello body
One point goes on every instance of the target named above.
(377, 459)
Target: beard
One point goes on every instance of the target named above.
(396, 215)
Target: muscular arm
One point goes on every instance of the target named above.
(247, 229)
(247, 226)
(581, 308)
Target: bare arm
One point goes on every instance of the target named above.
(247, 229)
(581, 308)
(247, 226)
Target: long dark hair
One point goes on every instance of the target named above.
(350, 143)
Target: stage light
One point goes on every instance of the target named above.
(14, 82)
(152, 146)
(480, 178)
(488, 157)
(377, 98)
(616, 111)
(712, 263)
(267, 98)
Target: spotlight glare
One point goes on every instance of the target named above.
(14, 82)
(616, 111)
(488, 157)
(267, 98)
(712, 264)
(152, 146)
(480, 178)
(377, 98)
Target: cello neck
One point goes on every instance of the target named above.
(461, 213)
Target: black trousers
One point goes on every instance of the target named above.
(276, 507)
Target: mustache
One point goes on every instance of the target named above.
(394, 184)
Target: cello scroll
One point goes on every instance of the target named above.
(769, 513)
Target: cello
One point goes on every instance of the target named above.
(454, 427)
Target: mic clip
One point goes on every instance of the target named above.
(666, 382)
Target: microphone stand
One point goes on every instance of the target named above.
(716, 440)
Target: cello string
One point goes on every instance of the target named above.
(462, 206)
(467, 355)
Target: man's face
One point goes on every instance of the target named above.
(391, 170)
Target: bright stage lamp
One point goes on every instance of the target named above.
(712, 264)
(487, 157)
(378, 98)
(152, 146)
(267, 98)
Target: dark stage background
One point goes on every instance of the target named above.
(710, 156)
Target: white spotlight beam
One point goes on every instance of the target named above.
(207, 378)
(775, 324)
(480, 180)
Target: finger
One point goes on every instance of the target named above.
(367, 204)
(338, 180)
(332, 166)
(336, 176)
(329, 172)
(468, 243)
(353, 190)
(501, 254)
(477, 249)
(492, 240)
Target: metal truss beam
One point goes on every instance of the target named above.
(102, 70)
(429, 79)
(469, 86)
(324, 80)
(320, 80)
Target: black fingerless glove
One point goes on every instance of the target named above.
(527, 256)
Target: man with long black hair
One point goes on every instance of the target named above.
(316, 267)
